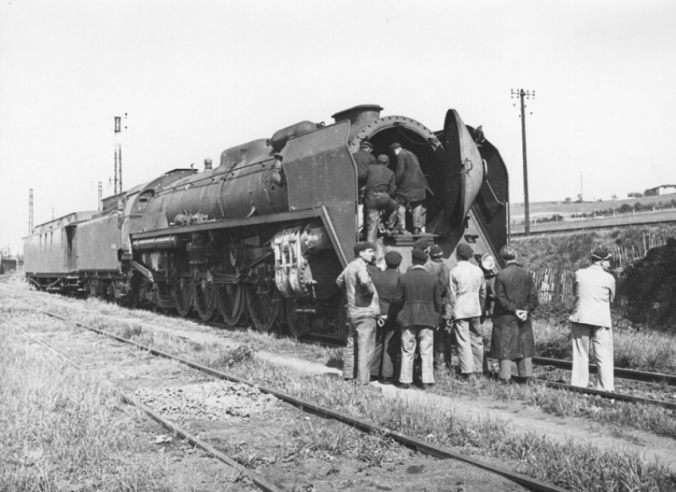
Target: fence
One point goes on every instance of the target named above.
(556, 284)
(553, 284)
(624, 256)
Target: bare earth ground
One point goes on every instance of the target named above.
(263, 433)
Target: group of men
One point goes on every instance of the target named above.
(429, 307)
(390, 192)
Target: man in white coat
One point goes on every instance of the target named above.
(594, 291)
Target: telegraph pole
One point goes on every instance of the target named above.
(521, 94)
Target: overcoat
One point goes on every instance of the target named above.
(411, 182)
(418, 290)
(514, 290)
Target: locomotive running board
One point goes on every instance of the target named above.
(293, 216)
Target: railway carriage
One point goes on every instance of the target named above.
(262, 237)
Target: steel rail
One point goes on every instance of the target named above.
(609, 395)
(648, 377)
(418, 444)
(258, 480)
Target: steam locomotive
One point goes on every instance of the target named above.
(261, 238)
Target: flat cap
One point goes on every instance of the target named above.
(418, 255)
(464, 251)
(393, 259)
(395, 145)
(365, 145)
(383, 159)
(435, 251)
(359, 247)
(601, 253)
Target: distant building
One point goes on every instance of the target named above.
(660, 190)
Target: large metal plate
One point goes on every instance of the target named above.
(320, 172)
(464, 156)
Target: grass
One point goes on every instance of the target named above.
(570, 251)
(570, 465)
(641, 350)
(535, 455)
(62, 430)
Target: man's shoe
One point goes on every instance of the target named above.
(417, 231)
(427, 386)
(385, 381)
(404, 386)
(504, 382)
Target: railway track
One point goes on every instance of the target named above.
(258, 480)
(312, 408)
(631, 374)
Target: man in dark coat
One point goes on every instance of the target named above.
(363, 158)
(411, 187)
(419, 293)
(388, 334)
(443, 333)
(379, 191)
(515, 299)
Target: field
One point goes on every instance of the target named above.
(543, 209)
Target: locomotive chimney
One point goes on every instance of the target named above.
(207, 164)
(359, 115)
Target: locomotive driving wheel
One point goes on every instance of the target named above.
(204, 294)
(299, 323)
(263, 299)
(182, 292)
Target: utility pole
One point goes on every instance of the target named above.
(30, 211)
(100, 196)
(521, 94)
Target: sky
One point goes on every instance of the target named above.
(197, 77)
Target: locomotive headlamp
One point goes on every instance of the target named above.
(487, 262)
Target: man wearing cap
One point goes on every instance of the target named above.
(379, 190)
(363, 308)
(411, 187)
(387, 333)
(363, 158)
(594, 290)
(419, 293)
(467, 295)
(515, 299)
(441, 271)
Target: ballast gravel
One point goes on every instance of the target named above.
(212, 400)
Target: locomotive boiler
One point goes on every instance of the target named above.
(260, 238)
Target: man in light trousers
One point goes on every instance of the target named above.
(594, 291)
(363, 308)
(419, 317)
(467, 295)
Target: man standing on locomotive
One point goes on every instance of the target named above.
(411, 188)
(467, 295)
(379, 190)
(363, 308)
(594, 291)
